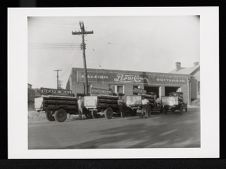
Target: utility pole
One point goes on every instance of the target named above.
(83, 32)
(58, 85)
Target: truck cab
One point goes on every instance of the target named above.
(174, 102)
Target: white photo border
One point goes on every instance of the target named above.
(18, 78)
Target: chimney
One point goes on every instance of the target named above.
(196, 63)
(178, 66)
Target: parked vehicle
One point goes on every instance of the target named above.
(174, 102)
(134, 102)
(102, 105)
(56, 107)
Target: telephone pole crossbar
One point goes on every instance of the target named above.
(83, 47)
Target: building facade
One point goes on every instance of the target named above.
(127, 82)
(194, 73)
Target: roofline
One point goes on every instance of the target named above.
(115, 70)
(195, 69)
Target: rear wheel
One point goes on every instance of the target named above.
(181, 109)
(60, 115)
(49, 115)
(164, 110)
(87, 113)
(108, 113)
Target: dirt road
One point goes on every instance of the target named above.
(159, 131)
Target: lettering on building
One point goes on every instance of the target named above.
(132, 78)
(49, 91)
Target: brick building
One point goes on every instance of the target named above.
(127, 82)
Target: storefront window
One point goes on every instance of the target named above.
(135, 89)
(112, 87)
(116, 88)
(119, 89)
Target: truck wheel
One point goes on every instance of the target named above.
(181, 109)
(164, 110)
(49, 116)
(108, 113)
(134, 113)
(60, 115)
(87, 113)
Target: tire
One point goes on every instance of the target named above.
(49, 116)
(164, 110)
(60, 115)
(181, 109)
(172, 110)
(108, 113)
(88, 115)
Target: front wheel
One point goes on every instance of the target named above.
(164, 110)
(49, 116)
(108, 113)
(60, 115)
(87, 113)
(181, 109)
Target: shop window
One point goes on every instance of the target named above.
(135, 89)
(112, 87)
(119, 89)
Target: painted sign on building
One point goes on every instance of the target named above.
(49, 91)
(120, 77)
(145, 78)
(97, 91)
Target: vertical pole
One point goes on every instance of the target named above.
(83, 46)
(57, 80)
(84, 63)
(58, 86)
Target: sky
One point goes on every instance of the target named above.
(136, 43)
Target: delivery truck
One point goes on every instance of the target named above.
(134, 102)
(102, 105)
(56, 103)
(56, 107)
(174, 102)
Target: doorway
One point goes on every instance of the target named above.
(154, 89)
(170, 89)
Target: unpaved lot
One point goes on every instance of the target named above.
(159, 131)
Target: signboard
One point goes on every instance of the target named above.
(61, 92)
(121, 77)
(139, 91)
(96, 91)
(169, 100)
(90, 101)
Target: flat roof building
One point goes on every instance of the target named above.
(126, 82)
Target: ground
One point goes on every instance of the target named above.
(173, 130)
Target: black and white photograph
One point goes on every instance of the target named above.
(115, 82)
